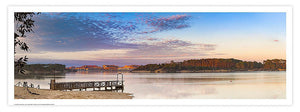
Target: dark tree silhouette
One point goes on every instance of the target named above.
(24, 24)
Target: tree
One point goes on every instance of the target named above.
(274, 64)
(24, 24)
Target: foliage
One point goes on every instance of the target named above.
(210, 64)
(19, 64)
(45, 67)
(150, 67)
(274, 64)
(246, 65)
(24, 24)
(215, 64)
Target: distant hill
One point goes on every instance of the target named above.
(214, 65)
(44, 69)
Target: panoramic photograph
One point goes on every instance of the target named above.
(150, 55)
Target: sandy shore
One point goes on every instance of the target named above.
(22, 93)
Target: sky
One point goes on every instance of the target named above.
(76, 39)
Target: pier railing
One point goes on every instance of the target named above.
(114, 85)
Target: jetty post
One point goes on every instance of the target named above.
(52, 84)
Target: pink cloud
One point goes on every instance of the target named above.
(167, 23)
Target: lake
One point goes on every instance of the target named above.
(234, 85)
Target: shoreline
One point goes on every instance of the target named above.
(22, 93)
(200, 71)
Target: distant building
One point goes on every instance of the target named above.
(80, 68)
(88, 67)
(71, 68)
(92, 67)
(128, 67)
(104, 67)
(110, 67)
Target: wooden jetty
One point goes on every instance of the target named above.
(114, 85)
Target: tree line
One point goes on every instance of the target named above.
(216, 64)
(275, 64)
(43, 68)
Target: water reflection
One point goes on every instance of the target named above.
(238, 85)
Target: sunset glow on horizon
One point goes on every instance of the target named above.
(139, 38)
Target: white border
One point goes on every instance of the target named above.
(107, 8)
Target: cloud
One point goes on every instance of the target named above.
(152, 39)
(170, 48)
(154, 50)
(99, 54)
(79, 32)
(92, 31)
(167, 23)
(175, 43)
(99, 63)
(100, 37)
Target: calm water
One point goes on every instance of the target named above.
(237, 85)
